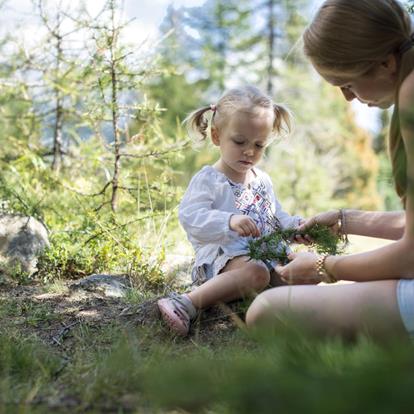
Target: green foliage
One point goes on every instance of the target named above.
(115, 373)
(73, 256)
(410, 6)
(275, 246)
(68, 260)
(11, 270)
(25, 366)
(328, 161)
(290, 373)
(299, 176)
(84, 241)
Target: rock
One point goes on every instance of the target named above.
(22, 239)
(177, 269)
(114, 286)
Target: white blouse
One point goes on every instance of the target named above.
(207, 206)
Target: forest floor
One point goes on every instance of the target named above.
(76, 327)
(52, 312)
(65, 350)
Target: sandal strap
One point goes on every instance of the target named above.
(180, 307)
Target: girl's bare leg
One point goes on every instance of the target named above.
(335, 309)
(239, 278)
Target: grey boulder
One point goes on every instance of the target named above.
(22, 239)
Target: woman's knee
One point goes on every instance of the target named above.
(265, 306)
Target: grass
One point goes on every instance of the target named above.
(290, 375)
(62, 352)
(114, 364)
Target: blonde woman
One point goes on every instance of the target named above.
(365, 48)
(228, 203)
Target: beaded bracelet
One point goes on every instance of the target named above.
(325, 276)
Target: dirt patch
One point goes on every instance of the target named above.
(52, 316)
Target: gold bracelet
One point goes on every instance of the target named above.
(325, 276)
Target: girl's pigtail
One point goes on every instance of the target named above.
(283, 119)
(197, 123)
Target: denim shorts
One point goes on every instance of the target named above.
(405, 297)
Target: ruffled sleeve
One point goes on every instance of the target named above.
(198, 213)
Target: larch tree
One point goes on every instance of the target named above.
(52, 76)
(119, 109)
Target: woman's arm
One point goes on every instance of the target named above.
(381, 224)
(393, 261)
(406, 107)
(397, 259)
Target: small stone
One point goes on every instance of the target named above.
(115, 286)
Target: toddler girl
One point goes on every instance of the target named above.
(228, 203)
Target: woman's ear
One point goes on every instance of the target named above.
(390, 64)
(215, 136)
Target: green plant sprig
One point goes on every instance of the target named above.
(275, 246)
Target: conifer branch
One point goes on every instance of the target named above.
(275, 246)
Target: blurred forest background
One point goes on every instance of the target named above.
(91, 135)
(92, 145)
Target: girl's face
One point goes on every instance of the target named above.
(242, 138)
(374, 89)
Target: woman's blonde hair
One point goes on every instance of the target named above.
(349, 38)
(246, 99)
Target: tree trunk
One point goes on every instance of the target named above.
(57, 133)
(117, 141)
(271, 45)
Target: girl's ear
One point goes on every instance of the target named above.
(215, 136)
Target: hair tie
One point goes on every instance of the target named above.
(407, 44)
(213, 108)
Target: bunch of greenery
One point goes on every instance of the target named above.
(275, 246)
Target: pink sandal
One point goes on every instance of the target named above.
(175, 313)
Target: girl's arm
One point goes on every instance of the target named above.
(286, 220)
(199, 218)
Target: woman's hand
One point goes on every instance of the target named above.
(300, 237)
(243, 225)
(301, 270)
(328, 218)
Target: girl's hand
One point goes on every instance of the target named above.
(301, 270)
(243, 225)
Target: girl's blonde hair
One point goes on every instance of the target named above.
(246, 99)
(349, 38)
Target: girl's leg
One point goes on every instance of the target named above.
(240, 277)
(335, 309)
